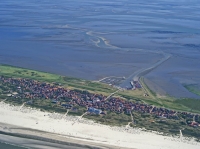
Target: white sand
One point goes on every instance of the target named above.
(86, 129)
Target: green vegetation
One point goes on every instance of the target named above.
(181, 104)
(194, 88)
(148, 121)
(111, 118)
(100, 88)
(148, 90)
(167, 126)
(70, 82)
(194, 104)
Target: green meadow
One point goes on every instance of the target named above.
(189, 105)
(142, 120)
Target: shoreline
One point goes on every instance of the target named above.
(35, 139)
(34, 123)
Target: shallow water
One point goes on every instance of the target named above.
(95, 39)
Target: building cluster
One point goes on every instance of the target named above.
(135, 84)
(95, 103)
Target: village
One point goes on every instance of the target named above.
(95, 103)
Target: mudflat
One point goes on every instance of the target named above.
(93, 40)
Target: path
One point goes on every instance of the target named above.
(181, 135)
(22, 106)
(194, 118)
(112, 94)
(151, 109)
(102, 79)
(79, 118)
(108, 77)
(3, 100)
(82, 115)
(65, 113)
(132, 121)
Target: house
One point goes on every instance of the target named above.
(94, 110)
(29, 102)
(54, 101)
(14, 94)
(9, 95)
(103, 113)
(68, 106)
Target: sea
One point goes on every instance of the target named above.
(95, 39)
(92, 39)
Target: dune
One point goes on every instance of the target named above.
(85, 131)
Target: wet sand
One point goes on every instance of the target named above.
(177, 72)
(98, 39)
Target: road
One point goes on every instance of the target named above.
(112, 94)
(103, 43)
(136, 75)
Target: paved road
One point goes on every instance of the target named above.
(136, 75)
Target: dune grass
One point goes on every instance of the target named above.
(188, 105)
(141, 120)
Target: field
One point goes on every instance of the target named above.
(69, 82)
(189, 105)
(142, 120)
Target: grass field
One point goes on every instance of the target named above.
(69, 82)
(189, 105)
(150, 122)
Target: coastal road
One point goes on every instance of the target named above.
(103, 43)
(136, 75)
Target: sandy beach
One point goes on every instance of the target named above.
(82, 131)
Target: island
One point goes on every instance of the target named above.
(97, 102)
